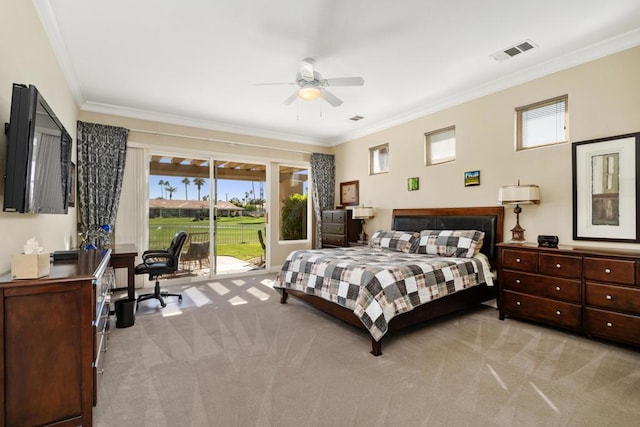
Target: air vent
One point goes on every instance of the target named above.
(514, 50)
(356, 118)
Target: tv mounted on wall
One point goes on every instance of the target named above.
(38, 173)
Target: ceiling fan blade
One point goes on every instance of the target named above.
(306, 69)
(343, 81)
(292, 98)
(330, 98)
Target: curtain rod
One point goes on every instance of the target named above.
(225, 141)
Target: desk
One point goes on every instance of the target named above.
(124, 256)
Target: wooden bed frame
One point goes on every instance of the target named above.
(487, 219)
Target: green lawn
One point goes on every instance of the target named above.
(236, 236)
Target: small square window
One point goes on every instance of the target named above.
(379, 159)
(542, 123)
(440, 146)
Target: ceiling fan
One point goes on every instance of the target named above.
(312, 86)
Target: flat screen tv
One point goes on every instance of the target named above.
(38, 173)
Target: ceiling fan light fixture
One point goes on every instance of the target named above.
(309, 93)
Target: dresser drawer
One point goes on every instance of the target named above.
(333, 228)
(520, 260)
(560, 265)
(616, 326)
(613, 297)
(335, 216)
(546, 310)
(610, 270)
(334, 240)
(544, 286)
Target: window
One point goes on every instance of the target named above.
(294, 190)
(542, 123)
(440, 146)
(379, 159)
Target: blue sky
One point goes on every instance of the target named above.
(227, 189)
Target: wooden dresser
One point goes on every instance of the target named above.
(339, 228)
(589, 290)
(53, 334)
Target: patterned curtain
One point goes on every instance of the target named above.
(323, 175)
(102, 151)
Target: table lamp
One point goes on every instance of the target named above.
(518, 195)
(362, 214)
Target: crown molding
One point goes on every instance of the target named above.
(153, 116)
(581, 56)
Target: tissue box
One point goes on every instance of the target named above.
(30, 266)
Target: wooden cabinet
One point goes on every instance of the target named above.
(48, 346)
(589, 290)
(339, 228)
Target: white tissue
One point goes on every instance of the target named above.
(32, 247)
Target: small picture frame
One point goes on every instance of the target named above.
(349, 193)
(471, 178)
(413, 184)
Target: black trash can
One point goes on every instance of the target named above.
(125, 312)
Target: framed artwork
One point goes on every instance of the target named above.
(471, 178)
(349, 193)
(413, 184)
(379, 159)
(72, 186)
(605, 188)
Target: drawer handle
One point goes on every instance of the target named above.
(557, 288)
(517, 280)
(609, 297)
(607, 270)
(558, 265)
(517, 259)
(558, 313)
(518, 303)
(609, 324)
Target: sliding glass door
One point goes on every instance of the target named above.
(219, 204)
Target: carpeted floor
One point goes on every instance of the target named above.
(232, 355)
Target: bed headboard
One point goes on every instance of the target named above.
(488, 219)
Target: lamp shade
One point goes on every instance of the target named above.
(362, 213)
(519, 194)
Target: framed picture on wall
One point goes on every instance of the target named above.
(72, 186)
(471, 178)
(413, 184)
(605, 188)
(349, 193)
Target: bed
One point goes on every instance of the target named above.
(382, 291)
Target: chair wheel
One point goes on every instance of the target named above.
(163, 305)
(180, 298)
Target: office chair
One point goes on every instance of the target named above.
(157, 262)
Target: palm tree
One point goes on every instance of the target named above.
(162, 183)
(171, 190)
(186, 181)
(199, 182)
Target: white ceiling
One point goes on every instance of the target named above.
(197, 62)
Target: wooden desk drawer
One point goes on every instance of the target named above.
(546, 310)
(613, 297)
(520, 260)
(616, 326)
(334, 240)
(543, 286)
(333, 228)
(560, 265)
(610, 270)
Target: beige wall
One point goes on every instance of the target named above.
(603, 101)
(27, 57)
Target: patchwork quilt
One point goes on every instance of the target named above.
(379, 284)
